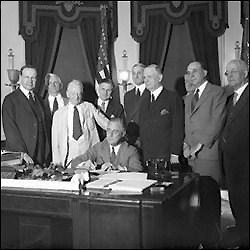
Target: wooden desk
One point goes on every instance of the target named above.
(32, 219)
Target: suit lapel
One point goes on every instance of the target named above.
(203, 97)
(242, 102)
(24, 101)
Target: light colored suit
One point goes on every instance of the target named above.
(60, 133)
(203, 125)
(127, 156)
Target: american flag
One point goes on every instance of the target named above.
(103, 67)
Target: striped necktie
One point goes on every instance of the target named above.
(194, 100)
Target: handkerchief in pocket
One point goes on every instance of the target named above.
(164, 112)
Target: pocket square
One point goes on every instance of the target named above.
(164, 112)
(112, 116)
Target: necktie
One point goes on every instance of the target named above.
(31, 99)
(138, 94)
(152, 98)
(77, 129)
(55, 106)
(195, 99)
(235, 98)
(103, 106)
(112, 156)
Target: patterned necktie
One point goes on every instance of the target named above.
(194, 99)
(77, 129)
(235, 98)
(103, 106)
(55, 106)
(113, 156)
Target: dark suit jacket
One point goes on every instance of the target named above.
(48, 119)
(132, 110)
(162, 125)
(114, 110)
(132, 105)
(20, 124)
(235, 148)
(100, 153)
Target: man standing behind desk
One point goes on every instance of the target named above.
(24, 120)
(132, 101)
(109, 106)
(114, 151)
(73, 127)
(235, 150)
(161, 119)
(52, 101)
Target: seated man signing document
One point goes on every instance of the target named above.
(113, 152)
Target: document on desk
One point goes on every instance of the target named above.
(125, 176)
(118, 184)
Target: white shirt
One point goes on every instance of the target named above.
(100, 101)
(140, 87)
(116, 148)
(26, 92)
(201, 88)
(157, 92)
(70, 118)
(240, 90)
(59, 100)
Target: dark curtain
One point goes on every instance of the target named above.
(90, 27)
(42, 51)
(155, 47)
(205, 46)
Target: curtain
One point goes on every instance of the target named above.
(90, 34)
(155, 47)
(42, 51)
(205, 46)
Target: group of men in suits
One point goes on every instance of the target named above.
(209, 127)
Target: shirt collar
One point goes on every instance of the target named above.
(157, 92)
(100, 101)
(201, 87)
(25, 91)
(140, 87)
(58, 96)
(240, 90)
(116, 148)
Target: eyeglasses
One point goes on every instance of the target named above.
(231, 72)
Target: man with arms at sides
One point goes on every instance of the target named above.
(24, 120)
(132, 100)
(235, 149)
(204, 117)
(113, 152)
(107, 105)
(161, 119)
(53, 100)
(73, 126)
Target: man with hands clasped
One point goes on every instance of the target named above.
(204, 116)
(113, 152)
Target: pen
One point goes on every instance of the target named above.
(111, 183)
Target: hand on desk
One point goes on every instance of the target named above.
(27, 158)
(107, 166)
